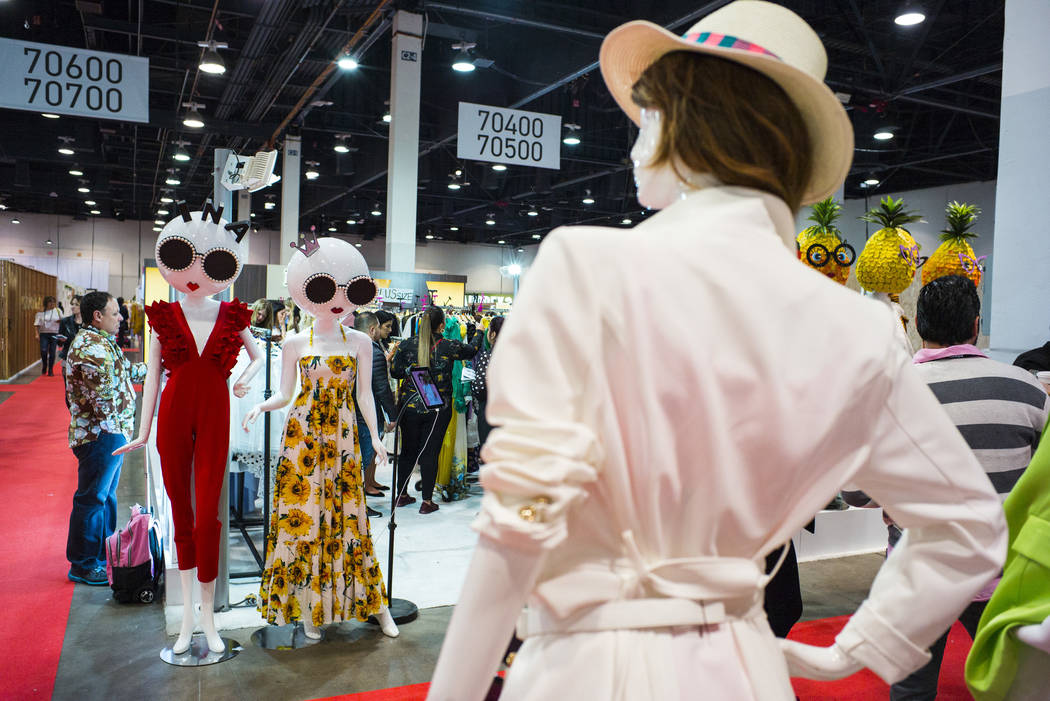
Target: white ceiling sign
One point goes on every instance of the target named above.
(514, 137)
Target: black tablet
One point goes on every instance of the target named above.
(428, 390)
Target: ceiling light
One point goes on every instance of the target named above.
(159, 222)
(387, 117)
(3, 207)
(311, 170)
(166, 199)
(358, 245)
(76, 171)
(332, 228)
(453, 228)
(171, 180)
(49, 242)
(513, 269)
(536, 236)
(429, 237)
(499, 167)
(501, 242)
(342, 144)
(351, 222)
(347, 62)
(16, 221)
(65, 150)
(269, 205)
(180, 155)
(49, 115)
(158, 228)
(95, 211)
(212, 62)
(377, 212)
(883, 135)
(90, 203)
(162, 212)
(625, 220)
(463, 62)
(910, 16)
(871, 182)
(532, 213)
(83, 189)
(490, 221)
(570, 137)
(252, 215)
(453, 185)
(587, 199)
(193, 118)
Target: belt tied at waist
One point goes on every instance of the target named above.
(689, 592)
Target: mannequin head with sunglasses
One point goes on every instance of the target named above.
(199, 257)
(332, 281)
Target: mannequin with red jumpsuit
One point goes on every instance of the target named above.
(196, 341)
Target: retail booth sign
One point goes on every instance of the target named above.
(78, 82)
(514, 137)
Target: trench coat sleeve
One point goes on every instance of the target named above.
(539, 460)
(927, 479)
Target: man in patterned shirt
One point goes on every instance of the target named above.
(101, 397)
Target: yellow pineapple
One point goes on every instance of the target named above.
(955, 256)
(821, 246)
(890, 257)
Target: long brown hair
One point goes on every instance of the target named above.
(430, 326)
(728, 120)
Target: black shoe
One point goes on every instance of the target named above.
(428, 507)
(405, 500)
(94, 578)
(372, 513)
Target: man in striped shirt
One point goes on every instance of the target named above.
(999, 409)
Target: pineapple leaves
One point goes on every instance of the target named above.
(824, 214)
(960, 217)
(890, 214)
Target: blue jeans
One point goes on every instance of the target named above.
(368, 453)
(94, 515)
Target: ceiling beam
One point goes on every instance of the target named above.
(948, 80)
(508, 19)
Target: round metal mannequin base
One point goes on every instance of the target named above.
(199, 655)
(287, 637)
(401, 610)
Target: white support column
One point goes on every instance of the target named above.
(244, 213)
(1020, 261)
(403, 161)
(290, 174)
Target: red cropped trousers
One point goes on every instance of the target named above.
(193, 438)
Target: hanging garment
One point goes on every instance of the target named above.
(320, 564)
(246, 447)
(193, 426)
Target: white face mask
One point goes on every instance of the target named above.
(659, 186)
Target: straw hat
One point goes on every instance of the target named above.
(763, 36)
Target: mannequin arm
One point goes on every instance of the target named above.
(365, 401)
(240, 387)
(497, 584)
(290, 354)
(821, 663)
(1037, 636)
(150, 389)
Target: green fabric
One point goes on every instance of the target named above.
(1023, 596)
(460, 389)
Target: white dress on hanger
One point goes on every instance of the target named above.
(656, 464)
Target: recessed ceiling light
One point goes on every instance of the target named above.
(76, 172)
(387, 118)
(532, 213)
(312, 175)
(66, 151)
(910, 18)
(536, 236)
(83, 189)
(883, 135)
(453, 185)
(172, 180)
(162, 212)
(376, 213)
(95, 211)
(159, 222)
(358, 245)
(351, 222)
(158, 228)
(252, 215)
(16, 221)
(871, 182)
(499, 167)
(453, 228)
(587, 200)
(49, 115)
(90, 203)
(625, 220)
(490, 222)
(501, 242)
(269, 205)
(166, 200)
(429, 237)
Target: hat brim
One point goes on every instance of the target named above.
(631, 48)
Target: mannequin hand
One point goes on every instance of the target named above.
(381, 457)
(820, 663)
(1037, 636)
(133, 445)
(251, 417)
(240, 389)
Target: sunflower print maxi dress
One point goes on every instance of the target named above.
(320, 561)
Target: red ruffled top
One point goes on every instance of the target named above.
(178, 346)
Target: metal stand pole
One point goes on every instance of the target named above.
(402, 610)
(267, 393)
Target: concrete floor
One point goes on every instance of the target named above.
(112, 650)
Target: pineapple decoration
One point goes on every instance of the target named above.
(821, 246)
(891, 256)
(955, 256)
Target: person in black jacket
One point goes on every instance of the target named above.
(479, 387)
(366, 323)
(421, 431)
(67, 331)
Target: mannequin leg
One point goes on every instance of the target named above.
(215, 642)
(386, 623)
(209, 471)
(186, 580)
(312, 631)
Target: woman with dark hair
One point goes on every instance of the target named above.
(388, 327)
(421, 431)
(637, 478)
(479, 386)
(46, 327)
(67, 330)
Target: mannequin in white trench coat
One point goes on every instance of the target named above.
(641, 470)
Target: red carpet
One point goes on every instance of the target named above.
(865, 686)
(37, 480)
